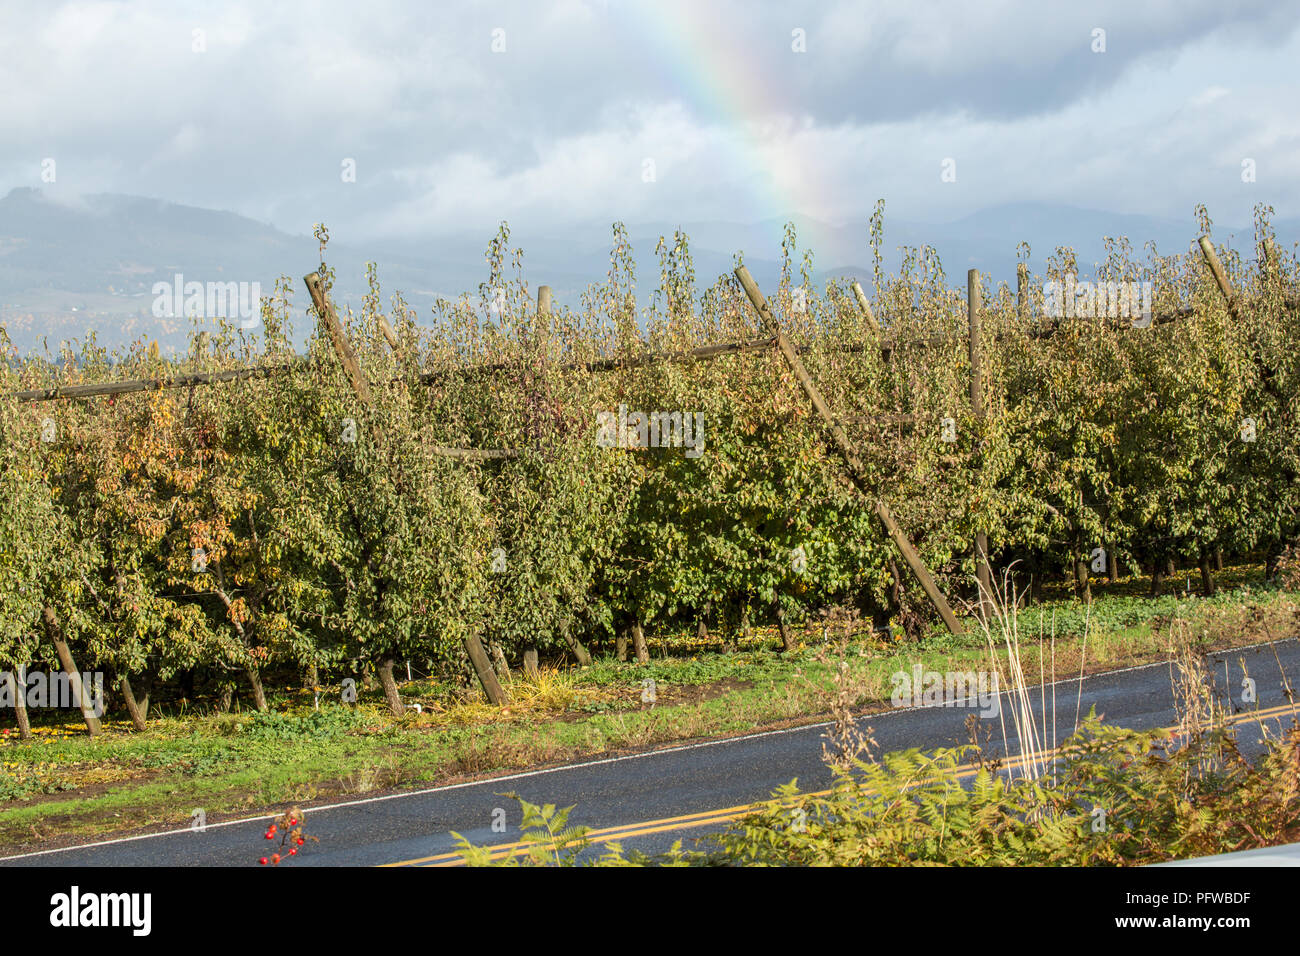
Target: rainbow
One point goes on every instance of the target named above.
(705, 65)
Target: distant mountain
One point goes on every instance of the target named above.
(67, 268)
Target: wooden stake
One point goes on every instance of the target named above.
(335, 329)
(980, 412)
(1220, 277)
(865, 306)
(499, 659)
(389, 335)
(483, 667)
(857, 472)
(543, 300)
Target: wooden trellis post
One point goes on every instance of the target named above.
(857, 472)
(865, 306)
(1220, 277)
(980, 413)
(389, 335)
(332, 325)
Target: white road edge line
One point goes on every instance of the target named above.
(699, 745)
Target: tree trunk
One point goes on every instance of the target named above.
(17, 679)
(1112, 566)
(530, 663)
(1218, 559)
(1170, 567)
(787, 638)
(255, 682)
(142, 696)
(745, 630)
(482, 667)
(132, 708)
(226, 696)
(313, 677)
(78, 689)
(620, 643)
(1082, 587)
(1207, 576)
(896, 587)
(729, 622)
(385, 669)
(638, 642)
(1157, 580)
(580, 652)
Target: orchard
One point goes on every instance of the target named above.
(454, 507)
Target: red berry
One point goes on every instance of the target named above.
(301, 841)
(293, 851)
(275, 858)
(262, 860)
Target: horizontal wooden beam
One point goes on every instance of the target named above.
(597, 365)
(150, 385)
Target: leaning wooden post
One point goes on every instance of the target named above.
(543, 300)
(335, 329)
(980, 413)
(857, 472)
(865, 306)
(389, 335)
(1220, 277)
(483, 668)
(473, 645)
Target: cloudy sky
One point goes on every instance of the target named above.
(574, 113)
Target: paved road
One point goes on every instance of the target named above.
(649, 800)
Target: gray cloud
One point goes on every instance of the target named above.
(449, 136)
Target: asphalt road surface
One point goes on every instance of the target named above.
(647, 801)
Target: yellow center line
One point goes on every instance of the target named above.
(728, 814)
